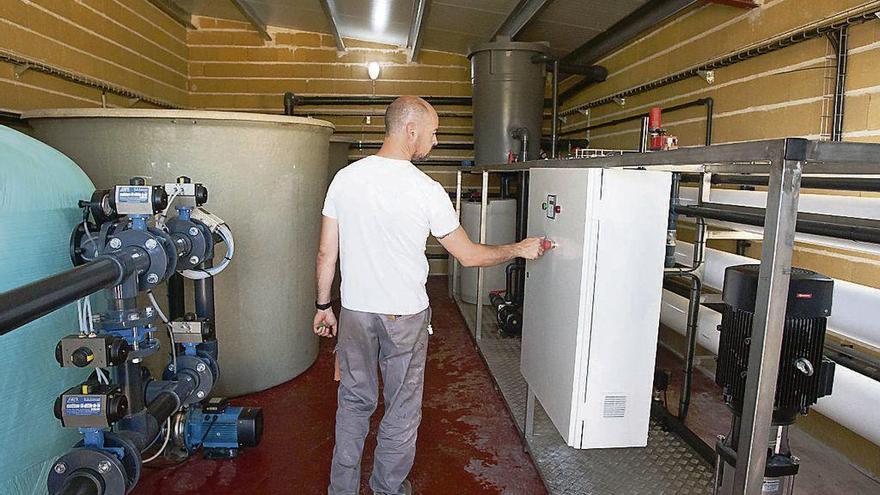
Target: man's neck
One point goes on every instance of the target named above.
(394, 150)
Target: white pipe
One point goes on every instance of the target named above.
(852, 307)
(847, 206)
(855, 397)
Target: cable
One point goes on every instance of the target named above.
(102, 378)
(160, 219)
(200, 274)
(89, 236)
(164, 444)
(207, 430)
(162, 316)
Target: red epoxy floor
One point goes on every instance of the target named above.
(467, 442)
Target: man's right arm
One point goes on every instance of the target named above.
(469, 253)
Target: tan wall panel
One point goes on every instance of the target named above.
(784, 93)
(127, 44)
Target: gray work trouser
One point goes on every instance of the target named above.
(398, 346)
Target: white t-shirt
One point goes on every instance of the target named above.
(385, 209)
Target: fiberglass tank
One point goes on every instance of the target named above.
(266, 177)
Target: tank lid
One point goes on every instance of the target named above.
(507, 45)
(145, 113)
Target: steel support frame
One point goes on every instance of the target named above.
(414, 40)
(329, 7)
(175, 12)
(248, 12)
(786, 161)
(519, 17)
(767, 329)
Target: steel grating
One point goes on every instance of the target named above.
(666, 466)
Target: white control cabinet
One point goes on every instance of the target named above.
(592, 304)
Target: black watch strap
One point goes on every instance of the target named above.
(323, 306)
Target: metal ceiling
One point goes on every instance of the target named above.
(449, 25)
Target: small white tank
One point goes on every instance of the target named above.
(500, 229)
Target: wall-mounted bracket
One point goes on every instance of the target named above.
(707, 75)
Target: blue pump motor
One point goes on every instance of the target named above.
(221, 429)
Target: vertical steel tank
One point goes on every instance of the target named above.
(266, 176)
(508, 94)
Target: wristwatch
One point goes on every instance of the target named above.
(322, 307)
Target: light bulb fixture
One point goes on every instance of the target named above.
(373, 69)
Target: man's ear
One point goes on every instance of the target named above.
(411, 130)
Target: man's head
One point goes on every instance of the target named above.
(411, 125)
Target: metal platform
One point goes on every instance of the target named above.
(666, 466)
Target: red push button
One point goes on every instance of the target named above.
(558, 208)
(547, 244)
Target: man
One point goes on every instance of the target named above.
(377, 214)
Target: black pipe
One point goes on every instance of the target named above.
(204, 293)
(693, 318)
(163, 406)
(832, 183)
(81, 482)
(377, 100)
(440, 146)
(672, 221)
(840, 227)
(130, 377)
(592, 73)
(554, 119)
(842, 46)
(289, 103)
(29, 302)
(709, 102)
(176, 297)
(710, 116)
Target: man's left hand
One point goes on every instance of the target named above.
(325, 323)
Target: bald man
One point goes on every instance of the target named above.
(377, 216)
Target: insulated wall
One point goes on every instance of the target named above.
(788, 92)
(130, 44)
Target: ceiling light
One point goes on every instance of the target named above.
(373, 69)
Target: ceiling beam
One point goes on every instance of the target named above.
(248, 12)
(522, 14)
(330, 11)
(414, 40)
(175, 12)
(745, 4)
(625, 30)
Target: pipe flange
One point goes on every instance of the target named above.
(156, 245)
(131, 460)
(212, 363)
(201, 369)
(200, 241)
(170, 250)
(93, 463)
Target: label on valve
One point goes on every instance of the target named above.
(83, 405)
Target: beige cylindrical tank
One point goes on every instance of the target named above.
(339, 146)
(500, 229)
(266, 177)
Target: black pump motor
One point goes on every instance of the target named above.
(804, 374)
